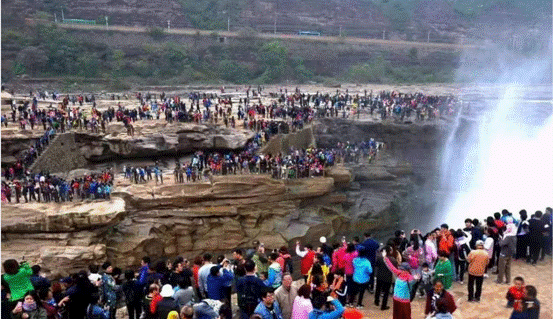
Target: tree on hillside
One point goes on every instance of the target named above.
(33, 59)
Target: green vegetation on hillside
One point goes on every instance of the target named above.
(48, 51)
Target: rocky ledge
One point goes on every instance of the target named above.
(152, 138)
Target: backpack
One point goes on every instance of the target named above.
(464, 251)
(248, 297)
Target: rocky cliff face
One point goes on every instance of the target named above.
(229, 211)
(190, 219)
(152, 138)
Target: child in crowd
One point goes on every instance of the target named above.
(338, 287)
(530, 305)
(516, 294)
(427, 275)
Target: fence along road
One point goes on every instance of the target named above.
(288, 37)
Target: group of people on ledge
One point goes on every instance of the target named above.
(332, 279)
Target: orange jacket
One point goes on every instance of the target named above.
(446, 242)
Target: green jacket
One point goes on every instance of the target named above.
(19, 283)
(444, 271)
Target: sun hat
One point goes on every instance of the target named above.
(167, 291)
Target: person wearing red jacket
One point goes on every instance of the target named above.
(515, 294)
(436, 293)
(446, 243)
(307, 258)
(338, 261)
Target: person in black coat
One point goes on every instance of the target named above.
(384, 278)
(535, 237)
(167, 303)
(133, 295)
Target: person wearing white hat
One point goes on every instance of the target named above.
(167, 303)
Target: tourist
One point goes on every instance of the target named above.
(402, 290)
(507, 246)
(474, 231)
(40, 283)
(442, 311)
(94, 311)
(446, 244)
(414, 255)
(371, 246)
(478, 260)
(516, 294)
(326, 308)
(530, 305)
(338, 289)
(133, 294)
(349, 256)
(384, 278)
(285, 260)
(302, 303)
(285, 295)
(439, 294)
(150, 301)
(547, 232)
(219, 276)
(29, 308)
(248, 289)
(185, 294)
(166, 304)
(260, 259)
(109, 295)
(319, 269)
(361, 275)
(430, 251)
(427, 278)
(307, 258)
(522, 236)
(274, 279)
(17, 277)
(489, 245)
(203, 272)
(268, 308)
(535, 236)
(444, 269)
(462, 245)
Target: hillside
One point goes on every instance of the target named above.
(254, 41)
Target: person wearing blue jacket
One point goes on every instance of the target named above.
(274, 279)
(216, 282)
(332, 311)
(268, 308)
(372, 247)
(362, 270)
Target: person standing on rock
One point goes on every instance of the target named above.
(307, 258)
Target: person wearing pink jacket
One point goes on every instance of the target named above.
(302, 303)
(430, 251)
(349, 256)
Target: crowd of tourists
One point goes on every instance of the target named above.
(45, 188)
(334, 277)
(297, 108)
(301, 163)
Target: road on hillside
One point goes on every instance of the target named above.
(293, 37)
